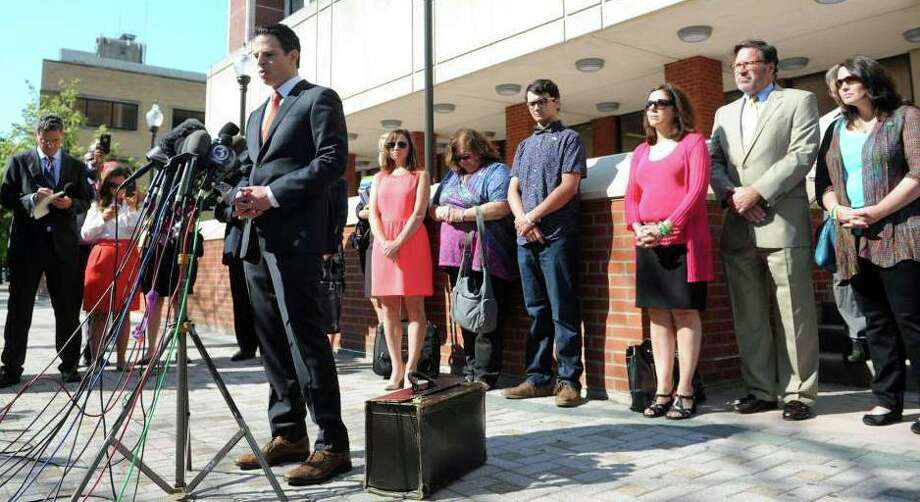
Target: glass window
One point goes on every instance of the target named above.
(294, 6)
(180, 115)
(586, 132)
(631, 132)
(112, 114)
(124, 116)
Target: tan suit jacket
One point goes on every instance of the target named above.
(775, 163)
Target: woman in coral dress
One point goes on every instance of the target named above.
(401, 256)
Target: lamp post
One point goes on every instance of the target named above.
(242, 67)
(154, 121)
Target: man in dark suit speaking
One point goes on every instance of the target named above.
(44, 188)
(296, 148)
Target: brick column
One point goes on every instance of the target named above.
(606, 132)
(518, 125)
(701, 78)
(418, 141)
(242, 21)
(351, 176)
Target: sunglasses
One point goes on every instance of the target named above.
(849, 80)
(658, 103)
(396, 144)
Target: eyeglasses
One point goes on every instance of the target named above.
(540, 102)
(396, 144)
(658, 103)
(848, 80)
(746, 65)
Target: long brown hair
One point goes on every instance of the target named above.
(106, 193)
(411, 159)
(472, 141)
(684, 118)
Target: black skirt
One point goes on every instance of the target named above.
(661, 280)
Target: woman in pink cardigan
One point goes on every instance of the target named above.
(666, 210)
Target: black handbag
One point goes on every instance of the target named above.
(332, 284)
(643, 382)
(430, 362)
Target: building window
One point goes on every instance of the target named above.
(631, 132)
(112, 114)
(180, 115)
(294, 6)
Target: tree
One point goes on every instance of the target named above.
(22, 136)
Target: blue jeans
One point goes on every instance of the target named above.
(550, 282)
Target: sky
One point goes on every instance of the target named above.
(183, 34)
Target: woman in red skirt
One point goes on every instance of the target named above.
(113, 260)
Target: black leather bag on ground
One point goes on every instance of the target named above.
(419, 441)
(640, 370)
(430, 363)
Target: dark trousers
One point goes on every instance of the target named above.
(889, 299)
(296, 354)
(483, 351)
(243, 323)
(550, 282)
(65, 287)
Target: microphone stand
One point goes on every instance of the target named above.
(189, 211)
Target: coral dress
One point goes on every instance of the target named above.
(410, 274)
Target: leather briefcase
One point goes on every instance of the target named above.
(420, 440)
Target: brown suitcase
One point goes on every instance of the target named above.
(419, 441)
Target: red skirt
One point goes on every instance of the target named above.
(100, 272)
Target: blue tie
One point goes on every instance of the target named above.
(49, 172)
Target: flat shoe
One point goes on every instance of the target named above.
(394, 386)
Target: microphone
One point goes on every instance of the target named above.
(229, 129)
(170, 144)
(197, 143)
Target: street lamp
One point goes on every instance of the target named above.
(154, 121)
(242, 66)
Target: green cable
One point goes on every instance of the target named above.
(171, 350)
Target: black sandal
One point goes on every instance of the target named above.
(679, 411)
(657, 409)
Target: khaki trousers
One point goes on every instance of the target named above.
(773, 304)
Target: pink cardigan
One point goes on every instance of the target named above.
(674, 188)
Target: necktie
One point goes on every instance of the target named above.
(273, 107)
(49, 172)
(749, 120)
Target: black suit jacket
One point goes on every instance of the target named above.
(24, 177)
(305, 152)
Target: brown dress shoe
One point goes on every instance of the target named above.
(567, 396)
(276, 452)
(320, 467)
(526, 390)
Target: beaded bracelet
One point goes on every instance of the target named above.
(833, 212)
(663, 229)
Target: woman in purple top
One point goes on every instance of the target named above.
(477, 178)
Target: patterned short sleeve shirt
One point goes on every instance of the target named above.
(539, 163)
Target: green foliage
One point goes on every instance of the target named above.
(22, 135)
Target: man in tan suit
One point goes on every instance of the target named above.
(762, 147)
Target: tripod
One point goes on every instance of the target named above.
(182, 329)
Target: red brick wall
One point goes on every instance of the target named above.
(607, 293)
(236, 25)
(606, 135)
(701, 78)
(518, 125)
(269, 12)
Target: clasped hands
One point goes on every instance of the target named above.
(648, 235)
(527, 228)
(745, 201)
(857, 218)
(251, 202)
(62, 202)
